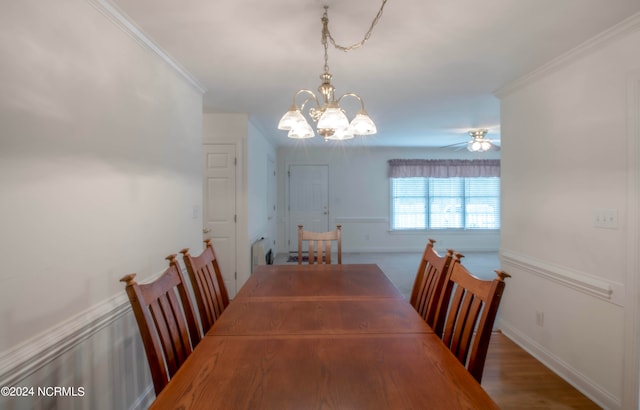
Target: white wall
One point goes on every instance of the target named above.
(359, 198)
(564, 155)
(261, 223)
(99, 176)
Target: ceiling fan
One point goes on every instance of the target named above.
(478, 142)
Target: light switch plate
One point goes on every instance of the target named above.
(605, 218)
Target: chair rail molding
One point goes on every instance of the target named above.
(31, 355)
(360, 220)
(602, 289)
(26, 358)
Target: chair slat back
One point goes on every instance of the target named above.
(208, 284)
(471, 314)
(431, 278)
(164, 314)
(319, 245)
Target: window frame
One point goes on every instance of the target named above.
(428, 225)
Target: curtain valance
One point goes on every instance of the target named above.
(443, 168)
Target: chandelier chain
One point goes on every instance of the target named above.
(327, 34)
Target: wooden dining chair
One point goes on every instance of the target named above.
(431, 278)
(319, 245)
(165, 317)
(471, 312)
(207, 283)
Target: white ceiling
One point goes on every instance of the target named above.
(427, 74)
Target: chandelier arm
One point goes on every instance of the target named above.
(352, 95)
(361, 42)
(311, 96)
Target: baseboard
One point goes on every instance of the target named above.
(571, 375)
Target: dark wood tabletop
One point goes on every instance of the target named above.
(331, 337)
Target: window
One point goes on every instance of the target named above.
(445, 203)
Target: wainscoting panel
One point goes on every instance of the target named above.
(98, 361)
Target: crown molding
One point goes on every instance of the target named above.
(122, 21)
(626, 26)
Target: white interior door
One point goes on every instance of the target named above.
(272, 203)
(308, 200)
(220, 207)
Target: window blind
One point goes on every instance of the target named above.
(445, 203)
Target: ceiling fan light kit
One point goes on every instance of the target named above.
(478, 141)
(331, 118)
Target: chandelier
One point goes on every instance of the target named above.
(331, 118)
(478, 141)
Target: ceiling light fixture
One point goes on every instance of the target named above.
(332, 121)
(478, 142)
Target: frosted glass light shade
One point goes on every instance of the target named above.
(291, 119)
(301, 131)
(333, 118)
(479, 146)
(362, 124)
(341, 135)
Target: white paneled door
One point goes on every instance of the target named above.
(272, 204)
(308, 200)
(220, 207)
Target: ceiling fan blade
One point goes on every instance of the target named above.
(454, 145)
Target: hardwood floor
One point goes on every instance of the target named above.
(516, 380)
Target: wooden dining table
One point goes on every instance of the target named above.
(321, 337)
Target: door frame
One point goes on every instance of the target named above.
(631, 342)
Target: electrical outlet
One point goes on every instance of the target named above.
(539, 318)
(605, 218)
